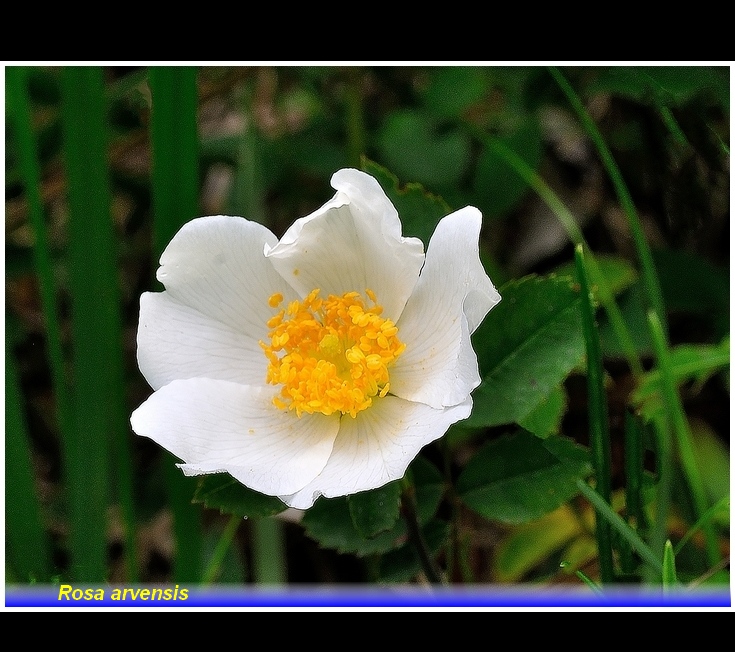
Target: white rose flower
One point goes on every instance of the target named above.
(319, 364)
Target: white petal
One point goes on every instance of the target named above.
(451, 298)
(179, 342)
(215, 426)
(352, 243)
(217, 266)
(377, 446)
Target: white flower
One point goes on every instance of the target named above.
(273, 360)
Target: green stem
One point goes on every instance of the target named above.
(680, 427)
(648, 269)
(598, 419)
(355, 122)
(408, 510)
(269, 559)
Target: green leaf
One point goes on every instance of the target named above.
(330, 523)
(527, 345)
(497, 185)
(545, 419)
(453, 89)
(412, 146)
(375, 511)
(420, 211)
(519, 478)
(221, 491)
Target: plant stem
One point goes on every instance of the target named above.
(408, 510)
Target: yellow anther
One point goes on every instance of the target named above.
(330, 355)
(275, 299)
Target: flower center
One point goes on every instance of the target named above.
(330, 355)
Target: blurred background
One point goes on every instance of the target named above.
(103, 165)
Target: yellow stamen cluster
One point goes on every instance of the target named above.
(331, 355)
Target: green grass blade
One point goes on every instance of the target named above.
(669, 570)
(175, 147)
(213, 568)
(100, 411)
(590, 584)
(648, 270)
(20, 113)
(621, 527)
(27, 546)
(529, 175)
(599, 431)
(683, 437)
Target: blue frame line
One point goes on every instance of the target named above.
(170, 595)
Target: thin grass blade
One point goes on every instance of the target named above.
(599, 431)
(100, 411)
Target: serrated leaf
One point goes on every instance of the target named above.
(412, 146)
(375, 511)
(221, 491)
(497, 186)
(420, 211)
(330, 523)
(527, 345)
(519, 478)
